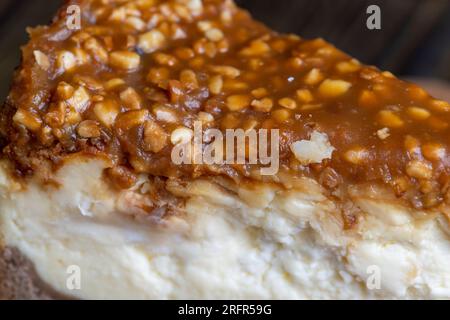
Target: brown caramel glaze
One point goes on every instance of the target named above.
(128, 90)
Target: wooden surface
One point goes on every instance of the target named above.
(414, 39)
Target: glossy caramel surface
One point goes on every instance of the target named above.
(138, 70)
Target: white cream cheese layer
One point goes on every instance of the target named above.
(231, 243)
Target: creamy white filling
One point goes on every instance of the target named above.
(246, 243)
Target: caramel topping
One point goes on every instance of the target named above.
(139, 73)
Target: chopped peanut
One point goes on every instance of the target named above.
(181, 136)
(106, 112)
(131, 98)
(433, 151)
(151, 41)
(334, 88)
(383, 133)
(313, 77)
(214, 34)
(288, 103)
(29, 120)
(125, 60)
(226, 71)
(418, 113)
(263, 105)
(216, 84)
(130, 119)
(66, 61)
(281, 115)
(88, 129)
(42, 59)
(155, 138)
(419, 169)
(357, 155)
(304, 95)
(80, 99)
(389, 119)
(238, 102)
(259, 93)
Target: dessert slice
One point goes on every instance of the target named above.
(352, 204)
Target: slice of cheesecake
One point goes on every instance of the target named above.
(95, 202)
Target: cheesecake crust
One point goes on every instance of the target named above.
(137, 71)
(19, 280)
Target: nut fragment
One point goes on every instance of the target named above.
(434, 151)
(106, 112)
(259, 93)
(26, 118)
(94, 47)
(205, 117)
(165, 59)
(151, 41)
(42, 59)
(356, 155)
(233, 85)
(383, 133)
(419, 169)
(155, 138)
(114, 83)
(367, 99)
(64, 91)
(181, 136)
(216, 84)
(184, 53)
(314, 150)
(313, 77)
(204, 25)
(130, 119)
(189, 79)
(418, 113)
(136, 23)
(412, 145)
(164, 114)
(226, 71)
(125, 60)
(158, 75)
(288, 103)
(238, 102)
(88, 82)
(256, 48)
(304, 95)
(281, 115)
(66, 61)
(263, 105)
(56, 114)
(81, 56)
(88, 129)
(348, 66)
(389, 119)
(214, 34)
(131, 99)
(334, 88)
(440, 105)
(80, 99)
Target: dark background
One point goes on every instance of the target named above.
(413, 42)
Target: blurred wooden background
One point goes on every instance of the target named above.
(414, 39)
